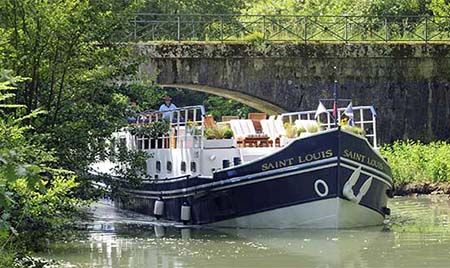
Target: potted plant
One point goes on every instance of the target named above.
(152, 131)
(218, 137)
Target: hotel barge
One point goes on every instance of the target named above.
(323, 176)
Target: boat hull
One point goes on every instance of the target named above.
(331, 213)
(330, 180)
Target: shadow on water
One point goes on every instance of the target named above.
(417, 236)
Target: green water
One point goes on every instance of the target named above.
(417, 235)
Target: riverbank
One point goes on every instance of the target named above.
(419, 168)
(432, 188)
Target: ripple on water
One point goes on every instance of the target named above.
(417, 235)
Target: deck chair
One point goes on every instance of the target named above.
(245, 134)
(209, 121)
(256, 120)
(269, 127)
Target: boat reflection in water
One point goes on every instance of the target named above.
(419, 237)
(161, 246)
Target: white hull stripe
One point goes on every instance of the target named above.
(379, 173)
(286, 172)
(369, 174)
(235, 181)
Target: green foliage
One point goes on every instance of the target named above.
(130, 166)
(417, 162)
(354, 129)
(219, 132)
(153, 130)
(66, 49)
(255, 37)
(48, 209)
(218, 107)
(36, 201)
(291, 130)
(193, 6)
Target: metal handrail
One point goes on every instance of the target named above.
(179, 120)
(302, 28)
(367, 124)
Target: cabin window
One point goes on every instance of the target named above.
(183, 166)
(146, 144)
(169, 166)
(193, 167)
(158, 166)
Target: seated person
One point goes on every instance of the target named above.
(166, 107)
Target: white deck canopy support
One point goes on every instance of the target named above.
(364, 117)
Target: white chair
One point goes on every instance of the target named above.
(235, 125)
(245, 133)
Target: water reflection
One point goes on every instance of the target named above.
(417, 236)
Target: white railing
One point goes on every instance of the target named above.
(185, 131)
(364, 117)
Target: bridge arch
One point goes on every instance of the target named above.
(408, 84)
(252, 101)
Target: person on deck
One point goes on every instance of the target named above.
(344, 120)
(166, 107)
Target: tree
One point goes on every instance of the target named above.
(69, 51)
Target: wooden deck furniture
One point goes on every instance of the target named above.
(210, 122)
(274, 129)
(256, 120)
(227, 118)
(245, 134)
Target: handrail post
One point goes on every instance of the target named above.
(346, 28)
(305, 34)
(386, 34)
(134, 30)
(264, 28)
(221, 28)
(178, 28)
(426, 29)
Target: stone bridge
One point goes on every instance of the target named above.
(409, 84)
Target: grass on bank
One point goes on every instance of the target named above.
(416, 162)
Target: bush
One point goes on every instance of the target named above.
(354, 129)
(291, 130)
(219, 132)
(413, 161)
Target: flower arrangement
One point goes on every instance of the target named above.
(153, 130)
(220, 132)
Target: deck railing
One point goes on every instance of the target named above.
(186, 128)
(364, 117)
(343, 28)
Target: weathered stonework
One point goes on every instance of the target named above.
(409, 84)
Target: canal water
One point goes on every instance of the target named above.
(417, 235)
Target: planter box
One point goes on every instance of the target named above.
(218, 143)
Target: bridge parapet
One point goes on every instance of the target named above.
(298, 28)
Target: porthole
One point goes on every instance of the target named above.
(193, 167)
(183, 166)
(169, 166)
(321, 188)
(158, 166)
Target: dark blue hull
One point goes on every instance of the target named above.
(323, 169)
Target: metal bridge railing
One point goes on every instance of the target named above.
(224, 28)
